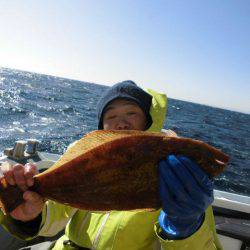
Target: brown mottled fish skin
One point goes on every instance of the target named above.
(117, 170)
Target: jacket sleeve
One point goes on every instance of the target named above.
(205, 238)
(19, 229)
(53, 219)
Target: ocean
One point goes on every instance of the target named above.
(58, 111)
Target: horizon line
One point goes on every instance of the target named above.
(74, 79)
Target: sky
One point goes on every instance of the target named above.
(192, 50)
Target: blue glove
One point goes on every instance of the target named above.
(186, 191)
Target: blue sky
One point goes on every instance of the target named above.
(197, 51)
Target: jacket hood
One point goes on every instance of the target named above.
(158, 110)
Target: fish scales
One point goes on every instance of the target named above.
(115, 170)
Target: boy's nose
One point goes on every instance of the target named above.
(122, 125)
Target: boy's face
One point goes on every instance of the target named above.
(122, 114)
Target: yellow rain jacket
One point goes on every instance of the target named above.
(116, 230)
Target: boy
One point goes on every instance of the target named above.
(185, 221)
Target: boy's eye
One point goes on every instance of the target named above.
(131, 113)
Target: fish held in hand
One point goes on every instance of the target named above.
(113, 170)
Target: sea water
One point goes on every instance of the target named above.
(58, 111)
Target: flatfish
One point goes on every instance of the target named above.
(113, 170)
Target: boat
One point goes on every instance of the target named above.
(232, 211)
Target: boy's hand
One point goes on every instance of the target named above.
(22, 176)
(186, 191)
